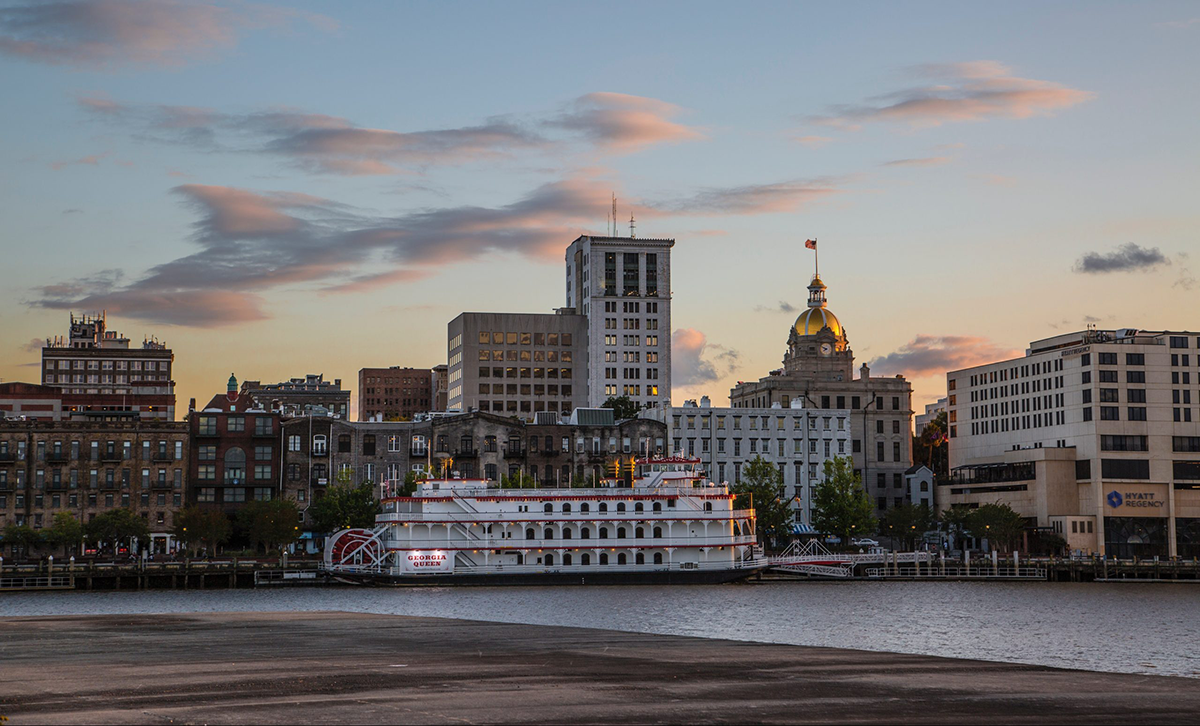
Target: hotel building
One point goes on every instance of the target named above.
(1094, 435)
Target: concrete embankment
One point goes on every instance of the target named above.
(357, 668)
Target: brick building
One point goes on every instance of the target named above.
(394, 394)
(298, 396)
(87, 468)
(30, 402)
(235, 451)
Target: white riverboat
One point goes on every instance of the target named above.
(667, 524)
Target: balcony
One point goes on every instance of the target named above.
(207, 433)
(162, 456)
(112, 457)
(59, 458)
(319, 453)
(514, 452)
(418, 453)
(466, 453)
(8, 458)
(156, 484)
(261, 434)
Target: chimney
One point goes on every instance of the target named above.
(191, 405)
(864, 373)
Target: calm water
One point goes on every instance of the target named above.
(1132, 628)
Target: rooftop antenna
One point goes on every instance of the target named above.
(614, 215)
(632, 226)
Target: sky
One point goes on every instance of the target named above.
(275, 190)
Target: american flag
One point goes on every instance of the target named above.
(810, 244)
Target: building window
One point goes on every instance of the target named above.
(235, 424)
(320, 445)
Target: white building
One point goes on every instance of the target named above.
(919, 481)
(622, 285)
(1094, 435)
(921, 420)
(797, 440)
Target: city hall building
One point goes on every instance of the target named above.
(1094, 435)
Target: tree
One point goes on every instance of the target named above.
(761, 487)
(907, 522)
(346, 507)
(954, 519)
(66, 532)
(623, 407)
(840, 504)
(22, 536)
(117, 525)
(931, 448)
(272, 523)
(411, 479)
(519, 480)
(207, 526)
(1000, 524)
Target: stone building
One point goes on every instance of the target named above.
(517, 364)
(394, 394)
(235, 451)
(31, 402)
(90, 467)
(622, 286)
(797, 440)
(818, 369)
(101, 377)
(296, 396)
(1094, 435)
(441, 387)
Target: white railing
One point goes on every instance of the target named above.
(554, 517)
(580, 544)
(540, 493)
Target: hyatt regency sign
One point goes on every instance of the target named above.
(1140, 500)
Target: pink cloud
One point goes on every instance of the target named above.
(934, 355)
(751, 198)
(695, 361)
(971, 91)
(115, 32)
(925, 161)
(813, 142)
(622, 122)
(89, 160)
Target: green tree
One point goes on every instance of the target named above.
(623, 407)
(118, 526)
(207, 526)
(346, 507)
(66, 532)
(411, 479)
(840, 504)
(520, 480)
(1000, 524)
(908, 523)
(23, 536)
(270, 524)
(931, 448)
(954, 520)
(761, 487)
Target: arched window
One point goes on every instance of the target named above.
(235, 465)
(639, 507)
(566, 533)
(548, 508)
(658, 506)
(708, 506)
(658, 558)
(584, 507)
(320, 445)
(639, 533)
(529, 533)
(620, 506)
(621, 558)
(620, 533)
(567, 508)
(604, 533)
(585, 533)
(604, 558)
(658, 533)
(603, 506)
(639, 559)
(566, 559)
(585, 559)
(549, 560)
(548, 534)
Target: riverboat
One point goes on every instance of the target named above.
(663, 524)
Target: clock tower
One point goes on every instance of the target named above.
(817, 348)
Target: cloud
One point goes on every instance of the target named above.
(34, 346)
(933, 355)
(782, 307)
(695, 361)
(1126, 258)
(329, 144)
(751, 199)
(926, 161)
(972, 91)
(1186, 280)
(997, 180)
(109, 33)
(1179, 24)
(90, 160)
(620, 122)
(72, 211)
(813, 142)
(1090, 319)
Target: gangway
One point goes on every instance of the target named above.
(814, 559)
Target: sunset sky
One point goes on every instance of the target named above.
(278, 190)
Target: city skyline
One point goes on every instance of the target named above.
(207, 175)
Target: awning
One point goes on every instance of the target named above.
(800, 528)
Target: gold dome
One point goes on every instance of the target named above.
(812, 320)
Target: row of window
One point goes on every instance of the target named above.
(524, 338)
(753, 423)
(107, 365)
(1015, 372)
(72, 502)
(781, 446)
(57, 480)
(263, 425)
(110, 450)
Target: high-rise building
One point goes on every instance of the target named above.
(299, 396)
(517, 363)
(818, 369)
(394, 394)
(932, 410)
(441, 386)
(622, 287)
(1092, 435)
(102, 378)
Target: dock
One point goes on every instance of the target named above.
(359, 668)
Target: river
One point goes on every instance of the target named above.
(1128, 628)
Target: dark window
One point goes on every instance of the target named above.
(1135, 359)
(1083, 469)
(1109, 395)
(1123, 443)
(1185, 443)
(1125, 468)
(1110, 413)
(344, 443)
(1187, 470)
(1135, 376)
(1137, 413)
(1085, 359)
(1137, 395)
(1086, 377)
(368, 444)
(1087, 414)
(1108, 359)
(1108, 376)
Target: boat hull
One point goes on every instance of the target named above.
(673, 577)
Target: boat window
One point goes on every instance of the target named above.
(566, 533)
(639, 507)
(639, 533)
(658, 506)
(620, 533)
(604, 558)
(549, 560)
(548, 508)
(604, 533)
(640, 559)
(566, 559)
(603, 506)
(708, 506)
(566, 508)
(658, 533)
(585, 533)
(585, 559)
(584, 507)
(621, 558)
(621, 506)
(658, 558)
(548, 534)
(529, 533)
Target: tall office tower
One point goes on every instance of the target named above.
(622, 285)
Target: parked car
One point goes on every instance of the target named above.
(864, 542)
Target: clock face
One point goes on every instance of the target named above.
(826, 348)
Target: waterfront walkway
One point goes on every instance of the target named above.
(357, 668)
